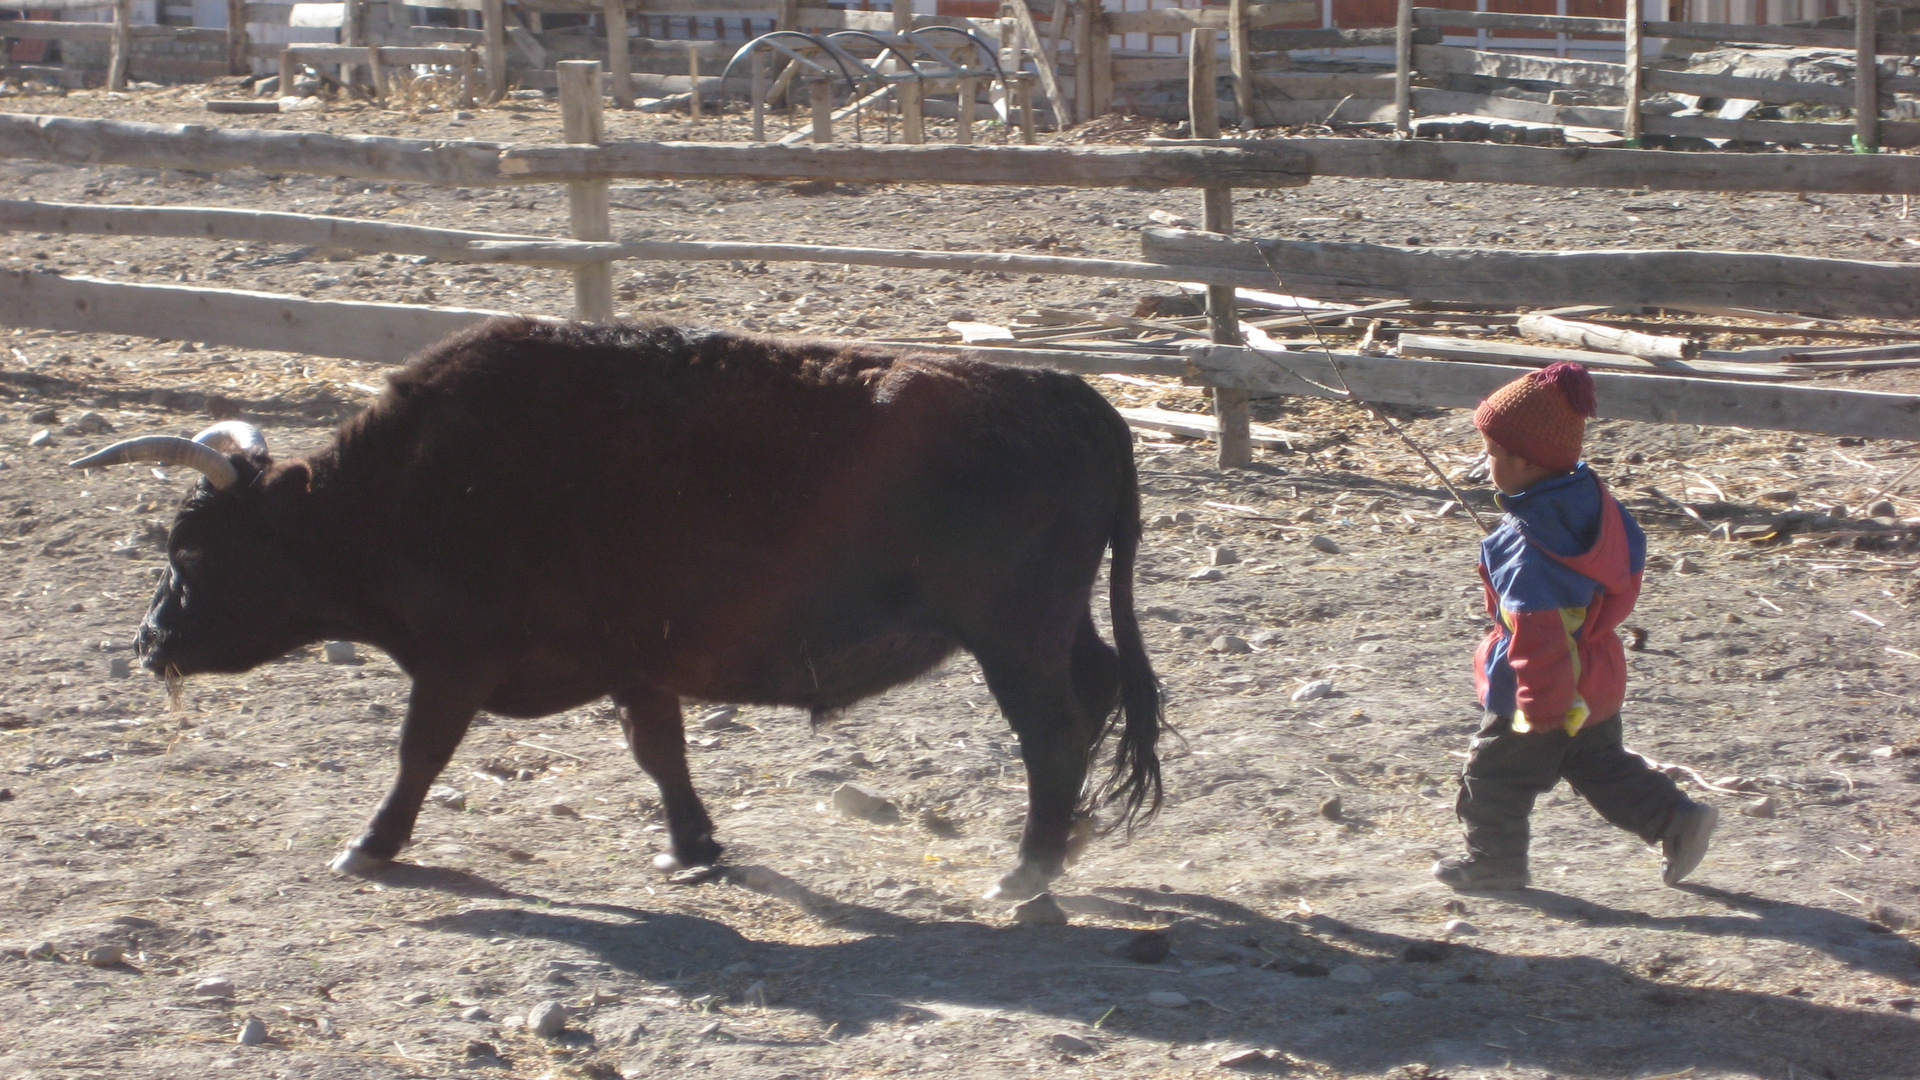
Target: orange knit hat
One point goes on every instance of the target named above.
(1541, 416)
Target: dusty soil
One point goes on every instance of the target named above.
(190, 842)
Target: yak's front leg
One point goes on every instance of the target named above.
(439, 711)
(658, 736)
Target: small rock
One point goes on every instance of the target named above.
(1162, 521)
(215, 987)
(854, 801)
(103, 956)
(547, 1019)
(1233, 646)
(1350, 973)
(1208, 574)
(1309, 514)
(1882, 508)
(1395, 997)
(719, 718)
(1893, 918)
(1071, 1044)
(340, 652)
(1148, 947)
(41, 950)
(88, 423)
(420, 998)
(43, 416)
(1314, 691)
(1884, 753)
(1763, 807)
(1167, 999)
(1246, 1059)
(482, 1053)
(560, 809)
(119, 668)
(41, 438)
(1685, 565)
(1326, 544)
(252, 1033)
(476, 1014)
(1447, 509)
(1459, 928)
(1042, 910)
(1330, 808)
(1221, 556)
(448, 796)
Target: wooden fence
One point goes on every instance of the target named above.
(388, 332)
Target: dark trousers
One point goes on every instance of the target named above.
(1506, 771)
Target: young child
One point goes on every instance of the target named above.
(1561, 572)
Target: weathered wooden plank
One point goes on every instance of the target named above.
(1078, 361)
(49, 30)
(389, 54)
(1432, 102)
(1203, 426)
(1332, 37)
(1798, 283)
(81, 141)
(1892, 134)
(1448, 60)
(1595, 167)
(1435, 347)
(380, 333)
(1252, 165)
(1175, 21)
(1777, 91)
(1659, 399)
(1499, 20)
(55, 5)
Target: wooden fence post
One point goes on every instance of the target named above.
(1100, 59)
(820, 96)
(619, 61)
(693, 81)
(1403, 69)
(493, 24)
(1636, 20)
(1866, 76)
(913, 125)
(237, 37)
(582, 120)
(902, 16)
(1237, 51)
(1083, 31)
(1028, 136)
(1234, 446)
(121, 45)
(963, 127)
(758, 91)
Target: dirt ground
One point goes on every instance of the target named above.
(163, 874)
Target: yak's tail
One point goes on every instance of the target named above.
(1135, 780)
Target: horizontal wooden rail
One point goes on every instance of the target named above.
(1252, 164)
(424, 55)
(1775, 91)
(349, 330)
(194, 147)
(47, 30)
(318, 230)
(1885, 45)
(1331, 37)
(1798, 283)
(1182, 20)
(1660, 399)
(1499, 20)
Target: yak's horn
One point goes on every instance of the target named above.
(166, 450)
(233, 437)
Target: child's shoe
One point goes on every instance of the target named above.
(1469, 874)
(1684, 843)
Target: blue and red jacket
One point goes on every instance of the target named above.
(1561, 572)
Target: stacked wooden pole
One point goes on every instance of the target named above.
(122, 45)
(619, 62)
(1866, 77)
(1235, 446)
(583, 120)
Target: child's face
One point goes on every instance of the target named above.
(1511, 473)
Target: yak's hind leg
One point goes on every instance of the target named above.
(440, 708)
(655, 731)
(1057, 699)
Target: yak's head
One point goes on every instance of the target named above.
(232, 595)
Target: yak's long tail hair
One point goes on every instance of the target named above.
(1134, 783)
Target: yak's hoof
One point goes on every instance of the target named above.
(1024, 883)
(356, 863)
(667, 863)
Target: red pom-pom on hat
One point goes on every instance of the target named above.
(1541, 416)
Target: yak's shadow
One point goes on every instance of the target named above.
(1447, 1005)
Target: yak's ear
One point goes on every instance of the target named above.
(292, 478)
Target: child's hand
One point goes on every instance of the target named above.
(1575, 719)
